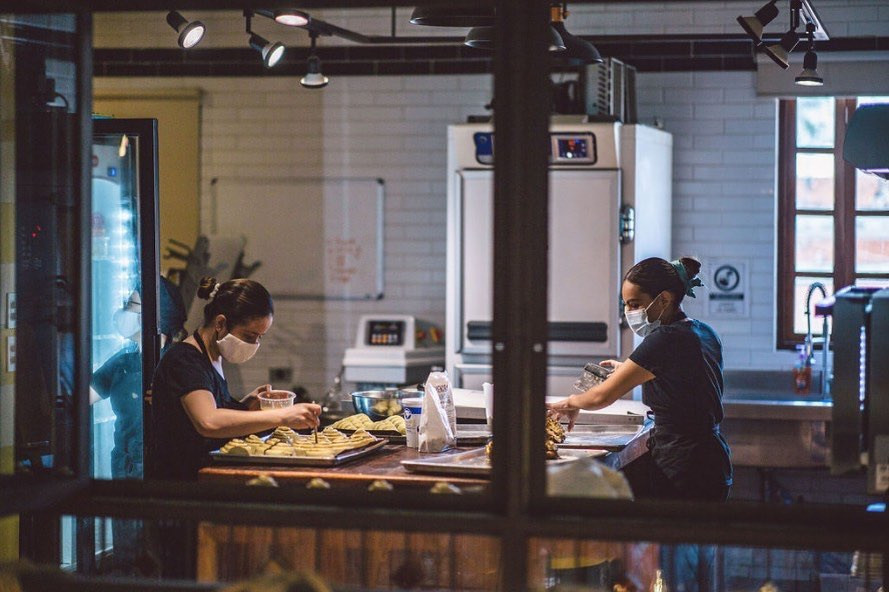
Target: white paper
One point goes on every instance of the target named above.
(488, 389)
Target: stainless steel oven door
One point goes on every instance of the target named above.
(584, 266)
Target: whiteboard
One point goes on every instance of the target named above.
(316, 238)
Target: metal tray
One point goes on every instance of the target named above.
(467, 435)
(605, 437)
(475, 462)
(299, 461)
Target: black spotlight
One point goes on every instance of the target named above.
(753, 25)
(271, 52)
(291, 18)
(314, 78)
(190, 33)
(462, 15)
(809, 76)
(780, 52)
(577, 51)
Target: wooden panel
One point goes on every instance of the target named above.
(476, 560)
(340, 556)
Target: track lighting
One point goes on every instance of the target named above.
(271, 52)
(809, 76)
(190, 33)
(483, 38)
(780, 52)
(314, 78)
(466, 15)
(291, 18)
(577, 51)
(753, 25)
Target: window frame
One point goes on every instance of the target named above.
(844, 215)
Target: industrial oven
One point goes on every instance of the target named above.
(610, 206)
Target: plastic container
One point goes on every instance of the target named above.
(412, 409)
(802, 372)
(276, 400)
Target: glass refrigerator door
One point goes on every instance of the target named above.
(124, 300)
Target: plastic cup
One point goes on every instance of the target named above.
(488, 389)
(412, 409)
(276, 399)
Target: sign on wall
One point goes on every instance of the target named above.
(728, 281)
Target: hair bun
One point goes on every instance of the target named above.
(692, 266)
(206, 287)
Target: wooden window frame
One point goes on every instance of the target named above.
(845, 214)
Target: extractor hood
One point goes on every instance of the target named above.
(866, 146)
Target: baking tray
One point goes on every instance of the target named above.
(605, 437)
(299, 461)
(467, 435)
(475, 462)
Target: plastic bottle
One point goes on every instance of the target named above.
(802, 371)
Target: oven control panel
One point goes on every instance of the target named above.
(578, 148)
(384, 332)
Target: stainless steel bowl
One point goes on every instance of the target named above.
(380, 404)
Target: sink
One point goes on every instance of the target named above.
(767, 385)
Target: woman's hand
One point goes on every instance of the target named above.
(301, 415)
(564, 409)
(613, 364)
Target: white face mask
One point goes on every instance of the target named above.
(638, 320)
(234, 350)
(128, 324)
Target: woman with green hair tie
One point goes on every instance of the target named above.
(679, 365)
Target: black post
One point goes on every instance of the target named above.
(521, 124)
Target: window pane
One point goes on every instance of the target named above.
(800, 289)
(814, 243)
(872, 244)
(872, 282)
(814, 122)
(871, 100)
(871, 192)
(814, 181)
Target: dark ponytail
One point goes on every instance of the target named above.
(238, 300)
(655, 275)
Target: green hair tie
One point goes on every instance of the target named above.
(689, 285)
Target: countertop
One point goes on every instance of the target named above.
(738, 404)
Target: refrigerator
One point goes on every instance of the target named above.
(125, 340)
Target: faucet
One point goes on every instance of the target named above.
(824, 339)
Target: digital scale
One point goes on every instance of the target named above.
(393, 350)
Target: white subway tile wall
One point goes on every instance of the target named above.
(395, 128)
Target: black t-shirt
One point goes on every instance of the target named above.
(686, 399)
(120, 378)
(178, 450)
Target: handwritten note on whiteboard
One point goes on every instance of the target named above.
(315, 237)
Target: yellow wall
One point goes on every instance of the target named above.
(178, 130)
(9, 527)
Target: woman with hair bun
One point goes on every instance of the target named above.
(679, 365)
(193, 411)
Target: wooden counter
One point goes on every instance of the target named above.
(389, 558)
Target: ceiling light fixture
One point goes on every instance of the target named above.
(780, 52)
(292, 18)
(190, 33)
(271, 52)
(753, 25)
(577, 51)
(465, 15)
(809, 76)
(483, 38)
(314, 79)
